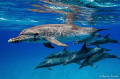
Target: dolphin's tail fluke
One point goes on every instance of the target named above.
(103, 29)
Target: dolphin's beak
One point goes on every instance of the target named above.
(37, 67)
(12, 40)
(17, 39)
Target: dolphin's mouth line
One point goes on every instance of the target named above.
(14, 41)
(17, 39)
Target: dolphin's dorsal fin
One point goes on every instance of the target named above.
(64, 50)
(102, 29)
(107, 35)
(83, 47)
(69, 18)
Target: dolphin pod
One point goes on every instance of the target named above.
(64, 57)
(57, 34)
(88, 55)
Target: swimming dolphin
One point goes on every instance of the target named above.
(63, 53)
(95, 58)
(85, 52)
(51, 62)
(94, 36)
(55, 34)
(104, 40)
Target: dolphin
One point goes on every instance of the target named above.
(55, 34)
(84, 53)
(51, 62)
(95, 58)
(63, 53)
(94, 36)
(104, 40)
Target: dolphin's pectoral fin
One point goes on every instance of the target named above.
(79, 63)
(93, 66)
(48, 45)
(48, 68)
(98, 46)
(56, 42)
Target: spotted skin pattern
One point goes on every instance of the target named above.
(54, 33)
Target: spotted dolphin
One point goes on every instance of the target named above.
(94, 36)
(95, 58)
(104, 40)
(63, 53)
(84, 53)
(51, 62)
(55, 34)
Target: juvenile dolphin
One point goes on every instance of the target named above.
(51, 62)
(104, 40)
(95, 58)
(83, 53)
(94, 36)
(55, 34)
(63, 53)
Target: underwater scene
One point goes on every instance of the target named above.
(60, 39)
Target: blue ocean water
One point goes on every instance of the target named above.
(17, 60)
